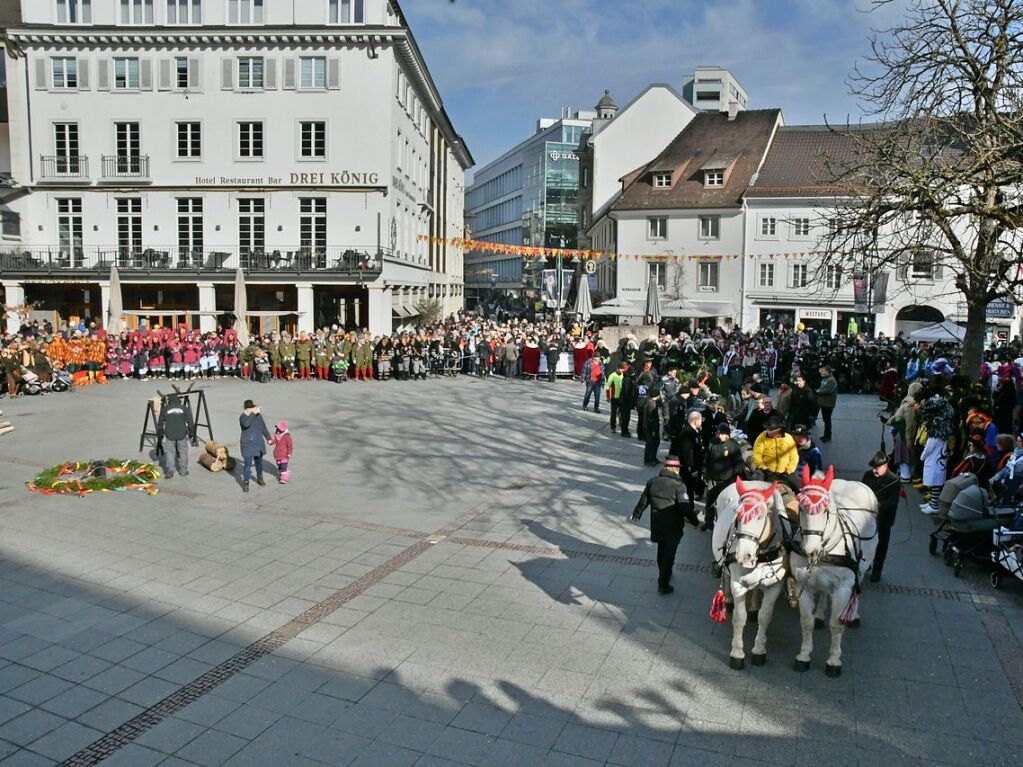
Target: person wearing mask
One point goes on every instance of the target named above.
(809, 453)
(670, 507)
(175, 429)
(827, 398)
(254, 438)
(803, 408)
(724, 464)
(887, 488)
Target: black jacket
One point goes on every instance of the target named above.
(724, 460)
(888, 490)
(175, 420)
(803, 407)
(628, 396)
(756, 422)
(669, 506)
(687, 444)
(652, 417)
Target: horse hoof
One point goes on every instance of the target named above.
(832, 671)
(738, 664)
(752, 615)
(853, 624)
(758, 660)
(801, 666)
(818, 623)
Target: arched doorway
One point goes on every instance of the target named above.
(916, 316)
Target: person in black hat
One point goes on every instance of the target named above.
(887, 487)
(809, 453)
(670, 507)
(254, 439)
(724, 463)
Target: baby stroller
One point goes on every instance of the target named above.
(262, 365)
(965, 523)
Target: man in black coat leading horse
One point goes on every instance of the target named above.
(670, 507)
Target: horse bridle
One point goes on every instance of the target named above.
(759, 508)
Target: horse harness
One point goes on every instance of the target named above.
(823, 505)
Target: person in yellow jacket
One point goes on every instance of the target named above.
(776, 455)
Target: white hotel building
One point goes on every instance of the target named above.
(303, 142)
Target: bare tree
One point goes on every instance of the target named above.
(935, 184)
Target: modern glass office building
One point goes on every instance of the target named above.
(528, 196)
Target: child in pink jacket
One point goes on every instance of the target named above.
(283, 447)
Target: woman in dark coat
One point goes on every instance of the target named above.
(254, 439)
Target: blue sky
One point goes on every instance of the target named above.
(501, 64)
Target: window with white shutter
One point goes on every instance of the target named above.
(65, 72)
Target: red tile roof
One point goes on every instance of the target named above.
(709, 137)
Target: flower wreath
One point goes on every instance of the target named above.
(83, 477)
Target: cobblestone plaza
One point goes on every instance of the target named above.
(445, 583)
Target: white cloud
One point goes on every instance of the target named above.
(501, 64)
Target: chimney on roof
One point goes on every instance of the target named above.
(733, 110)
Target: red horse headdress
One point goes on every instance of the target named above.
(753, 503)
(815, 494)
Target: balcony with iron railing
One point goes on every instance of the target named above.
(64, 168)
(338, 261)
(126, 168)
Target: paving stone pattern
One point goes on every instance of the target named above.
(445, 583)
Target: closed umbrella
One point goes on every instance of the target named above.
(241, 307)
(583, 304)
(653, 303)
(115, 311)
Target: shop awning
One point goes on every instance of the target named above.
(619, 307)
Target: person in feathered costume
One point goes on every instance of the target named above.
(112, 357)
(229, 352)
(151, 352)
(938, 422)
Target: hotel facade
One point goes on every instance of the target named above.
(181, 140)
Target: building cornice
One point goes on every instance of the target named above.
(22, 38)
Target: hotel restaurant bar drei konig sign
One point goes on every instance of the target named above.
(340, 178)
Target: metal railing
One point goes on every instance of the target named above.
(64, 167)
(119, 167)
(353, 260)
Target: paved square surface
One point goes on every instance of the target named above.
(448, 579)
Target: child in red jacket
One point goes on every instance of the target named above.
(283, 446)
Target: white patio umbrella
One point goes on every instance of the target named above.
(653, 302)
(241, 308)
(941, 331)
(115, 311)
(583, 303)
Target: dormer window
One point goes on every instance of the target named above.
(714, 178)
(662, 181)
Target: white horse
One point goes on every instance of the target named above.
(747, 544)
(838, 529)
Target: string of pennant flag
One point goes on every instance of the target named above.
(527, 251)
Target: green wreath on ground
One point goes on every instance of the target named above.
(83, 477)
